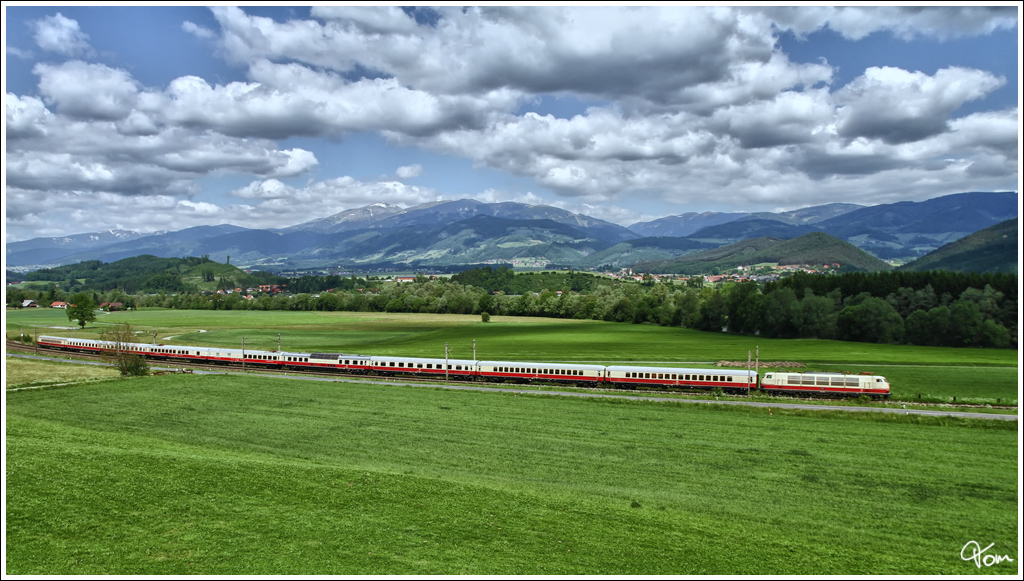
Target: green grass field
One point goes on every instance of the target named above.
(936, 373)
(21, 373)
(244, 475)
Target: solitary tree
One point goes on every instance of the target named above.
(81, 308)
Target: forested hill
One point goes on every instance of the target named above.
(994, 249)
(814, 248)
(149, 274)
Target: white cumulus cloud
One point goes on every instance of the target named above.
(62, 35)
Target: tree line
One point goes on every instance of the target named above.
(937, 308)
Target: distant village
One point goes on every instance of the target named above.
(758, 273)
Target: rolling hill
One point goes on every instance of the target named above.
(657, 248)
(816, 248)
(994, 249)
(909, 230)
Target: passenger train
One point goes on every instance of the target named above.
(615, 376)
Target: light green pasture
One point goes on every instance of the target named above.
(218, 475)
(978, 375)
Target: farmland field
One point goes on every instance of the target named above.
(247, 475)
(23, 374)
(935, 373)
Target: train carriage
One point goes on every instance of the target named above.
(290, 360)
(71, 344)
(556, 372)
(680, 378)
(454, 368)
(341, 362)
(171, 352)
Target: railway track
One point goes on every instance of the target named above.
(189, 365)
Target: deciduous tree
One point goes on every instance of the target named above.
(82, 309)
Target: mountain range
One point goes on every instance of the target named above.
(465, 232)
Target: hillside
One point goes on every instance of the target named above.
(683, 224)
(814, 248)
(651, 249)
(147, 274)
(909, 230)
(994, 249)
(751, 227)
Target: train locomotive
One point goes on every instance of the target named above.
(614, 376)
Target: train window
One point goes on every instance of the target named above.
(419, 366)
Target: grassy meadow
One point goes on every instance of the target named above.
(984, 376)
(21, 373)
(216, 475)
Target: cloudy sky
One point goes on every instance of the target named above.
(163, 118)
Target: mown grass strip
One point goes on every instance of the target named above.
(247, 475)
